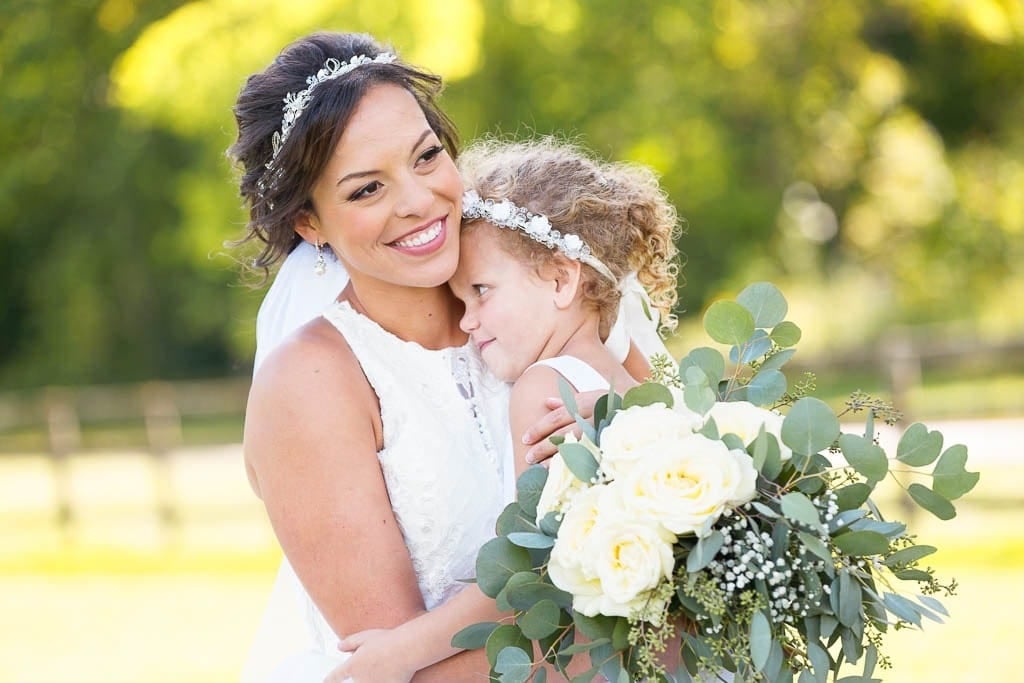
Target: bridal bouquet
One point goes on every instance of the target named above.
(722, 513)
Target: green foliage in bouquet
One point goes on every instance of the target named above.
(720, 512)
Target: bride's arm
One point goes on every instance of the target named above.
(312, 433)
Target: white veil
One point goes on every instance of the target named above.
(296, 296)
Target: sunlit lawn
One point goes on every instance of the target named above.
(119, 599)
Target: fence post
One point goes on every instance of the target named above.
(65, 436)
(164, 434)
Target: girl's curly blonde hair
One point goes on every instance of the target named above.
(618, 209)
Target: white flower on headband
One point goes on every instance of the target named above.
(502, 210)
(540, 225)
(537, 227)
(572, 242)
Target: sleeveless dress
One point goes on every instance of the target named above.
(446, 477)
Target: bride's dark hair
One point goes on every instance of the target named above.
(275, 197)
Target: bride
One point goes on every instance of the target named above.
(374, 437)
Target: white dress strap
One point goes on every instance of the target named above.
(579, 374)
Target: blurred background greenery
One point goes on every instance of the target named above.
(865, 155)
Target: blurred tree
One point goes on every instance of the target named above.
(801, 140)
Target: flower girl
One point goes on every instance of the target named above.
(552, 239)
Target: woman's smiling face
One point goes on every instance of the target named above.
(390, 199)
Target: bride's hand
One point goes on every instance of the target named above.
(374, 659)
(558, 421)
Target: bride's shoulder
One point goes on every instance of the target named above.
(312, 360)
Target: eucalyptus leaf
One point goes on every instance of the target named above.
(526, 589)
(864, 456)
(514, 665)
(765, 303)
(541, 620)
(766, 387)
(912, 575)
(647, 394)
(760, 640)
(496, 562)
(529, 487)
(506, 635)
(862, 543)
(758, 347)
(527, 539)
(701, 554)
(821, 663)
(810, 426)
(733, 442)
(931, 501)
(902, 607)
(579, 648)
(909, 555)
(550, 523)
(568, 395)
(798, 508)
(852, 496)
(727, 322)
(786, 334)
(950, 478)
(707, 360)
(778, 359)
(473, 637)
(541, 676)
(934, 604)
(918, 446)
(595, 628)
(849, 599)
(513, 518)
(579, 460)
(815, 545)
(698, 398)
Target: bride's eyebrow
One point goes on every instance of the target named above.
(363, 174)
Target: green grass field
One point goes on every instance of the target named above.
(119, 598)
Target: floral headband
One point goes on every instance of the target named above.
(297, 102)
(537, 227)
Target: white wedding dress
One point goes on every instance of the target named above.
(447, 458)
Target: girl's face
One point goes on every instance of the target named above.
(390, 199)
(510, 310)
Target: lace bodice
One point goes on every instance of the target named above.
(442, 472)
(447, 481)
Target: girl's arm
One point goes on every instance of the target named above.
(531, 438)
(395, 655)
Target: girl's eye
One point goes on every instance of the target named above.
(431, 153)
(480, 289)
(366, 190)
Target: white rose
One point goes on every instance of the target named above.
(562, 485)
(610, 562)
(638, 430)
(744, 419)
(688, 487)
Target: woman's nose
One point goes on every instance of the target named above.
(416, 198)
